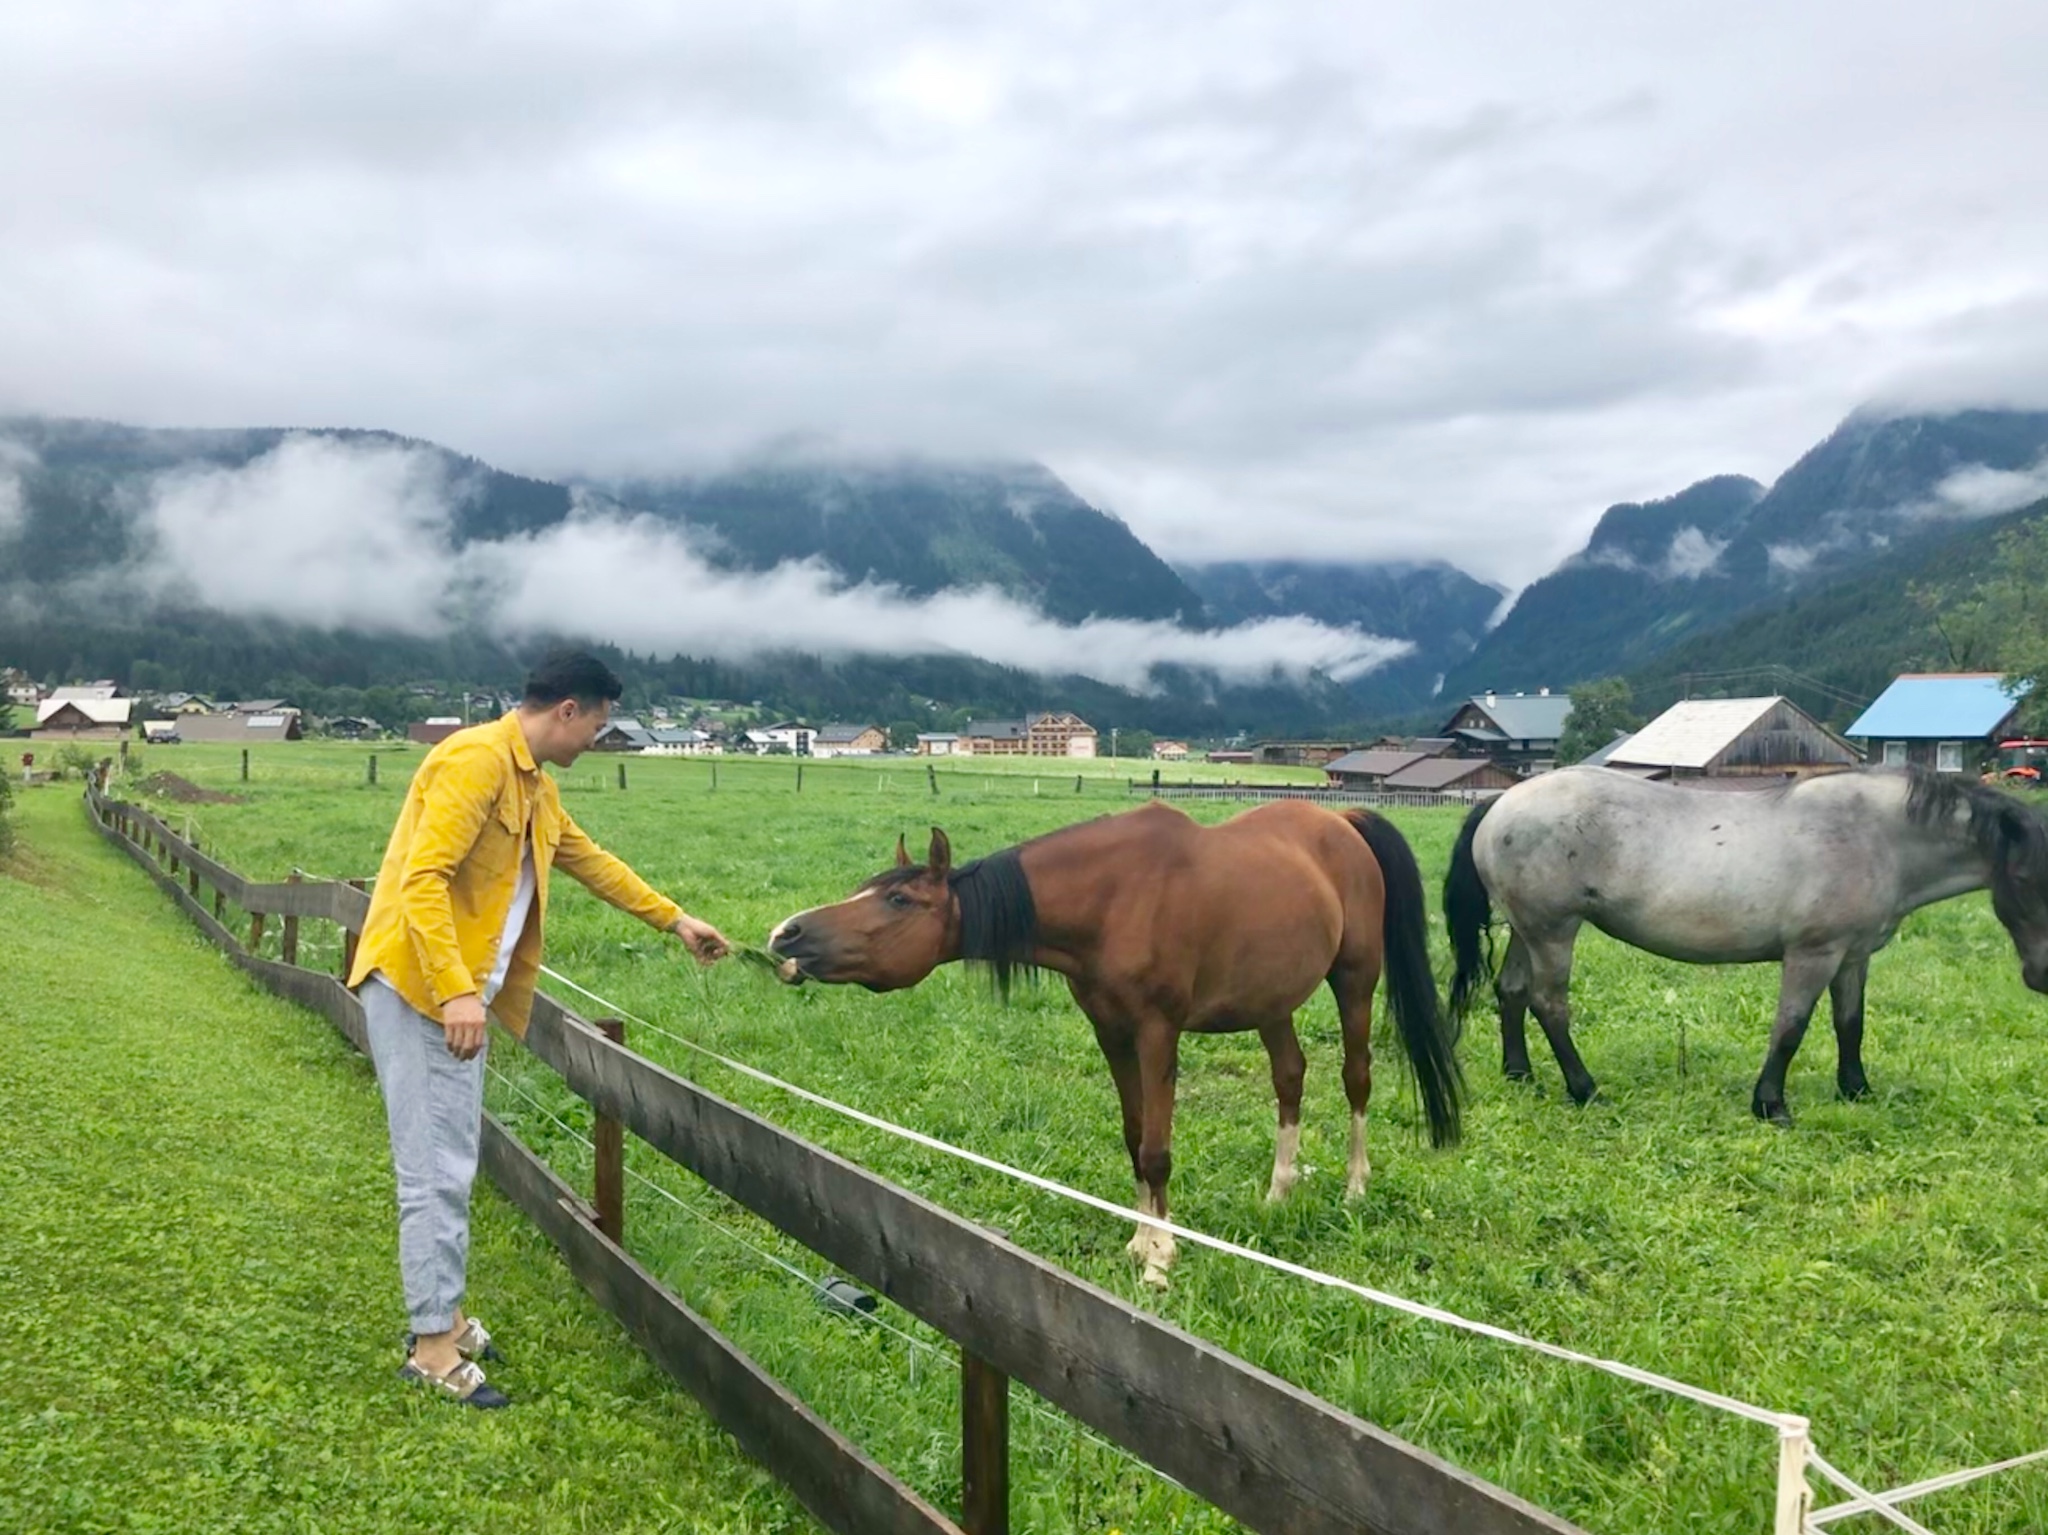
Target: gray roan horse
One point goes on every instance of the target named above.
(1816, 874)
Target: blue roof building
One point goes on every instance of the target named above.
(1948, 721)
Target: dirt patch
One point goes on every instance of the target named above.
(183, 791)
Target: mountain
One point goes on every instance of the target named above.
(923, 526)
(1438, 607)
(1659, 573)
(1837, 644)
(80, 485)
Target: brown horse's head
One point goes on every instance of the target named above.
(890, 933)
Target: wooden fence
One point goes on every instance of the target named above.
(1271, 1455)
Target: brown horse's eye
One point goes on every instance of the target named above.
(900, 901)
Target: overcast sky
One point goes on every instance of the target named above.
(1327, 280)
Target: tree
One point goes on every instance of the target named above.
(2002, 624)
(1600, 711)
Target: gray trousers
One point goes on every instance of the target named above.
(434, 1104)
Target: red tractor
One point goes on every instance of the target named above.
(2022, 762)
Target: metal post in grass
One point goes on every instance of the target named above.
(371, 772)
(931, 776)
(1077, 783)
(984, 1447)
(608, 1150)
(622, 775)
(799, 778)
(714, 776)
(288, 948)
(245, 764)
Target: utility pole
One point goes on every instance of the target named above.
(1112, 743)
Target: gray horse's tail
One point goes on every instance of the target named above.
(1430, 1043)
(1468, 913)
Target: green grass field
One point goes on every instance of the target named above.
(1878, 1268)
(199, 1317)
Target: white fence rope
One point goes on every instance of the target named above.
(1628, 1372)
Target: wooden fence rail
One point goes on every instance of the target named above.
(1273, 1456)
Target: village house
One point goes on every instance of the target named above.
(81, 719)
(1052, 733)
(1469, 778)
(1299, 753)
(1169, 751)
(1754, 739)
(19, 689)
(1371, 768)
(938, 743)
(432, 732)
(353, 727)
(623, 733)
(849, 741)
(788, 739)
(682, 741)
(1951, 722)
(1516, 730)
(242, 729)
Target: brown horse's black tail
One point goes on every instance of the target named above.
(1468, 913)
(1411, 987)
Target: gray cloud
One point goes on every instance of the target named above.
(330, 533)
(1263, 280)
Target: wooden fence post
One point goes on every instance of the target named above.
(348, 939)
(288, 949)
(608, 1148)
(984, 1447)
(245, 764)
(622, 775)
(255, 932)
(371, 773)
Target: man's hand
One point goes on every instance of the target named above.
(701, 939)
(463, 1019)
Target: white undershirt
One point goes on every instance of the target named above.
(515, 924)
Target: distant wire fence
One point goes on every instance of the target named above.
(1265, 1452)
(1271, 1455)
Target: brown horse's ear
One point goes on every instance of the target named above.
(940, 859)
(902, 853)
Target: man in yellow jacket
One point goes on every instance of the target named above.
(454, 928)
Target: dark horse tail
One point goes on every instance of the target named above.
(1411, 987)
(1468, 913)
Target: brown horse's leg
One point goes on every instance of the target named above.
(1120, 1049)
(1158, 1053)
(1289, 1067)
(1352, 986)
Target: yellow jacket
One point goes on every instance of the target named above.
(448, 876)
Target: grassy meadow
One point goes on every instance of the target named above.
(1878, 1268)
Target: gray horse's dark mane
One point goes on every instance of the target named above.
(2009, 834)
(998, 918)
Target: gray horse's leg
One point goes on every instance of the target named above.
(1550, 980)
(1845, 995)
(1806, 976)
(1512, 991)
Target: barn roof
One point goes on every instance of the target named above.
(101, 711)
(1525, 716)
(1947, 706)
(1374, 762)
(1437, 772)
(1693, 733)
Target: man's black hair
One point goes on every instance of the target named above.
(573, 674)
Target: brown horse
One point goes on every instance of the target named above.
(1163, 927)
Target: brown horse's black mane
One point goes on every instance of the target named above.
(2013, 837)
(998, 918)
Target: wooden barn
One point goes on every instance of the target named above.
(1949, 721)
(1734, 738)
